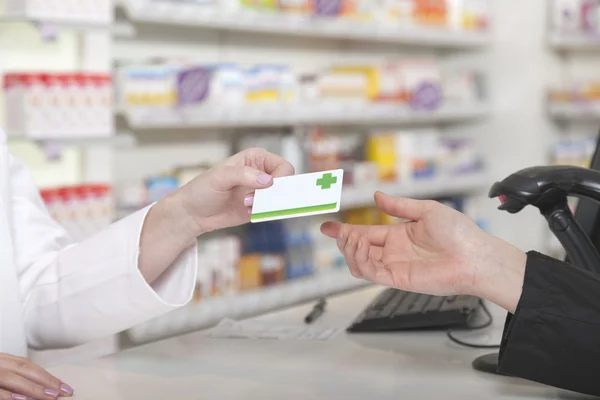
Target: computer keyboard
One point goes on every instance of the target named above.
(396, 310)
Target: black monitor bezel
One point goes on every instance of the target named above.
(587, 212)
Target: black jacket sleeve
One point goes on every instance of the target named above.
(554, 335)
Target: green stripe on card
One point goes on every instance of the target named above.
(294, 211)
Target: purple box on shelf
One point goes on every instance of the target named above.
(193, 85)
(427, 96)
(328, 8)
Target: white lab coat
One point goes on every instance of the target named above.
(56, 294)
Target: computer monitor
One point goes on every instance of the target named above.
(587, 212)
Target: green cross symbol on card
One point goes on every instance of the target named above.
(326, 181)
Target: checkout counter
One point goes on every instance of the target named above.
(387, 366)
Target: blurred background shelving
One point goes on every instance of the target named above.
(118, 104)
(346, 115)
(239, 17)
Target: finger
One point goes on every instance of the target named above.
(17, 384)
(349, 252)
(362, 250)
(271, 163)
(377, 234)
(277, 166)
(331, 229)
(33, 372)
(249, 200)
(365, 265)
(342, 237)
(370, 265)
(402, 207)
(6, 395)
(362, 253)
(229, 177)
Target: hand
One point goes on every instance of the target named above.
(219, 198)
(439, 252)
(223, 196)
(20, 379)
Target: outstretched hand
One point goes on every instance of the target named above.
(439, 252)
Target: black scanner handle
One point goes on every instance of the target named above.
(547, 188)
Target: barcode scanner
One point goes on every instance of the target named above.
(547, 188)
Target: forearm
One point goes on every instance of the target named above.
(166, 234)
(501, 273)
(86, 291)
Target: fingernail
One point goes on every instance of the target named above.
(51, 392)
(248, 201)
(359, 244)
(263, 179)
(66, 389)
(19, 397)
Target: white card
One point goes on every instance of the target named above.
(299, 196)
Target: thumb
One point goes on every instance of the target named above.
(229, 177)
(401, 207)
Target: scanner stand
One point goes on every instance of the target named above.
(547, 189)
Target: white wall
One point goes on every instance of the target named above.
(518, 135)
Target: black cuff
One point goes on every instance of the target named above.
(553, 337)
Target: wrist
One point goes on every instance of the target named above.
(501, 273)
(177, 218)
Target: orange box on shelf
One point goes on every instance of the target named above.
(591, 91)
(431, 12)
(250, 272)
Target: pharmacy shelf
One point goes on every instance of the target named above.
(424, 189)
(323, 116)
(59, 24)
(115, 141)
(163, 13)
(574, 43)
(574, 113)
(212, 311)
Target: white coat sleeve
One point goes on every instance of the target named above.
(75, 293)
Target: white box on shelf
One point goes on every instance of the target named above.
(44, 106)
(14, 107)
